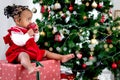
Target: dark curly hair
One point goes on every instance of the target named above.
(11, 11)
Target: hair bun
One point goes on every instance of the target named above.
(8, 11)
(11, 11)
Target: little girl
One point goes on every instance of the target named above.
(22, 40)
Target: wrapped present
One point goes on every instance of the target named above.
(67, 76)
(50, 71)
(1, 61)
(66, 73)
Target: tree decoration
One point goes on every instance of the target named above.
(84, 17)
(42, 9)
(34, 10)
(78, 2)
(79, 55)
(114, 65)
(71, 7)
(94, 13)
(42, 33)
(84, 66)
(100, 5)
(57, 6)
(58, 37)
(94, 4)
(87, 4)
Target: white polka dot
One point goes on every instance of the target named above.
(44, 77)
(23, 72)
(27, 76)
(50, 66)
(8, 74)
(3, 73)
(14, 75)
(53, 70)
(19, 68)
(15, 66)
(19, 78)
(6, 78)
(41, 73)
(11, 70)
(48, 71)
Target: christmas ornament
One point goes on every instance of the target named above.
(58, 37)
(100, 5)
(87, 4)
(57, 6)
(46, 43)
(94, 13)
(94, 4)
(58, 49)
(54, 30)
(79, 55)
(110, 46)
(84, 17)
(78, 2)
(42, 33)
(94, 41)
(84, 65)
(42, 9)
(62, 15)
(113, 28)
(70, 8)
(105, 46)
(97, 24)
(49, 26)
(114, 65)
(108, 40)
(107, 49)
(34, 10)
(103, 19)
(51, 49)
(95, 31)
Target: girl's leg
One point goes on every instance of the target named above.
(24, 59)
(62, 58)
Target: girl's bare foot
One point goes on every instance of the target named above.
(33, 69)
(67, 57)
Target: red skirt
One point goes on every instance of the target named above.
(31, 48)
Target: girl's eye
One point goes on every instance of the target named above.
(29, 19)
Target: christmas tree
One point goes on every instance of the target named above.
(83, 27)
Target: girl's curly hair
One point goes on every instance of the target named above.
(11, 11)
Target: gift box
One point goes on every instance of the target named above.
(67, 76)
(49, 71)
(1, 61)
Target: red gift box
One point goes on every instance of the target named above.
(67, 76)
(50, 71)
(1, 61)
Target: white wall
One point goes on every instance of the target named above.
(7, 23)
(116, 4)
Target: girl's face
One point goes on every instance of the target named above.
(25, 18)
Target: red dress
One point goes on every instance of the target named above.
(30, 47)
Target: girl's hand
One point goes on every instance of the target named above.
(36, 30)
(30, 32)
(34, 27)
